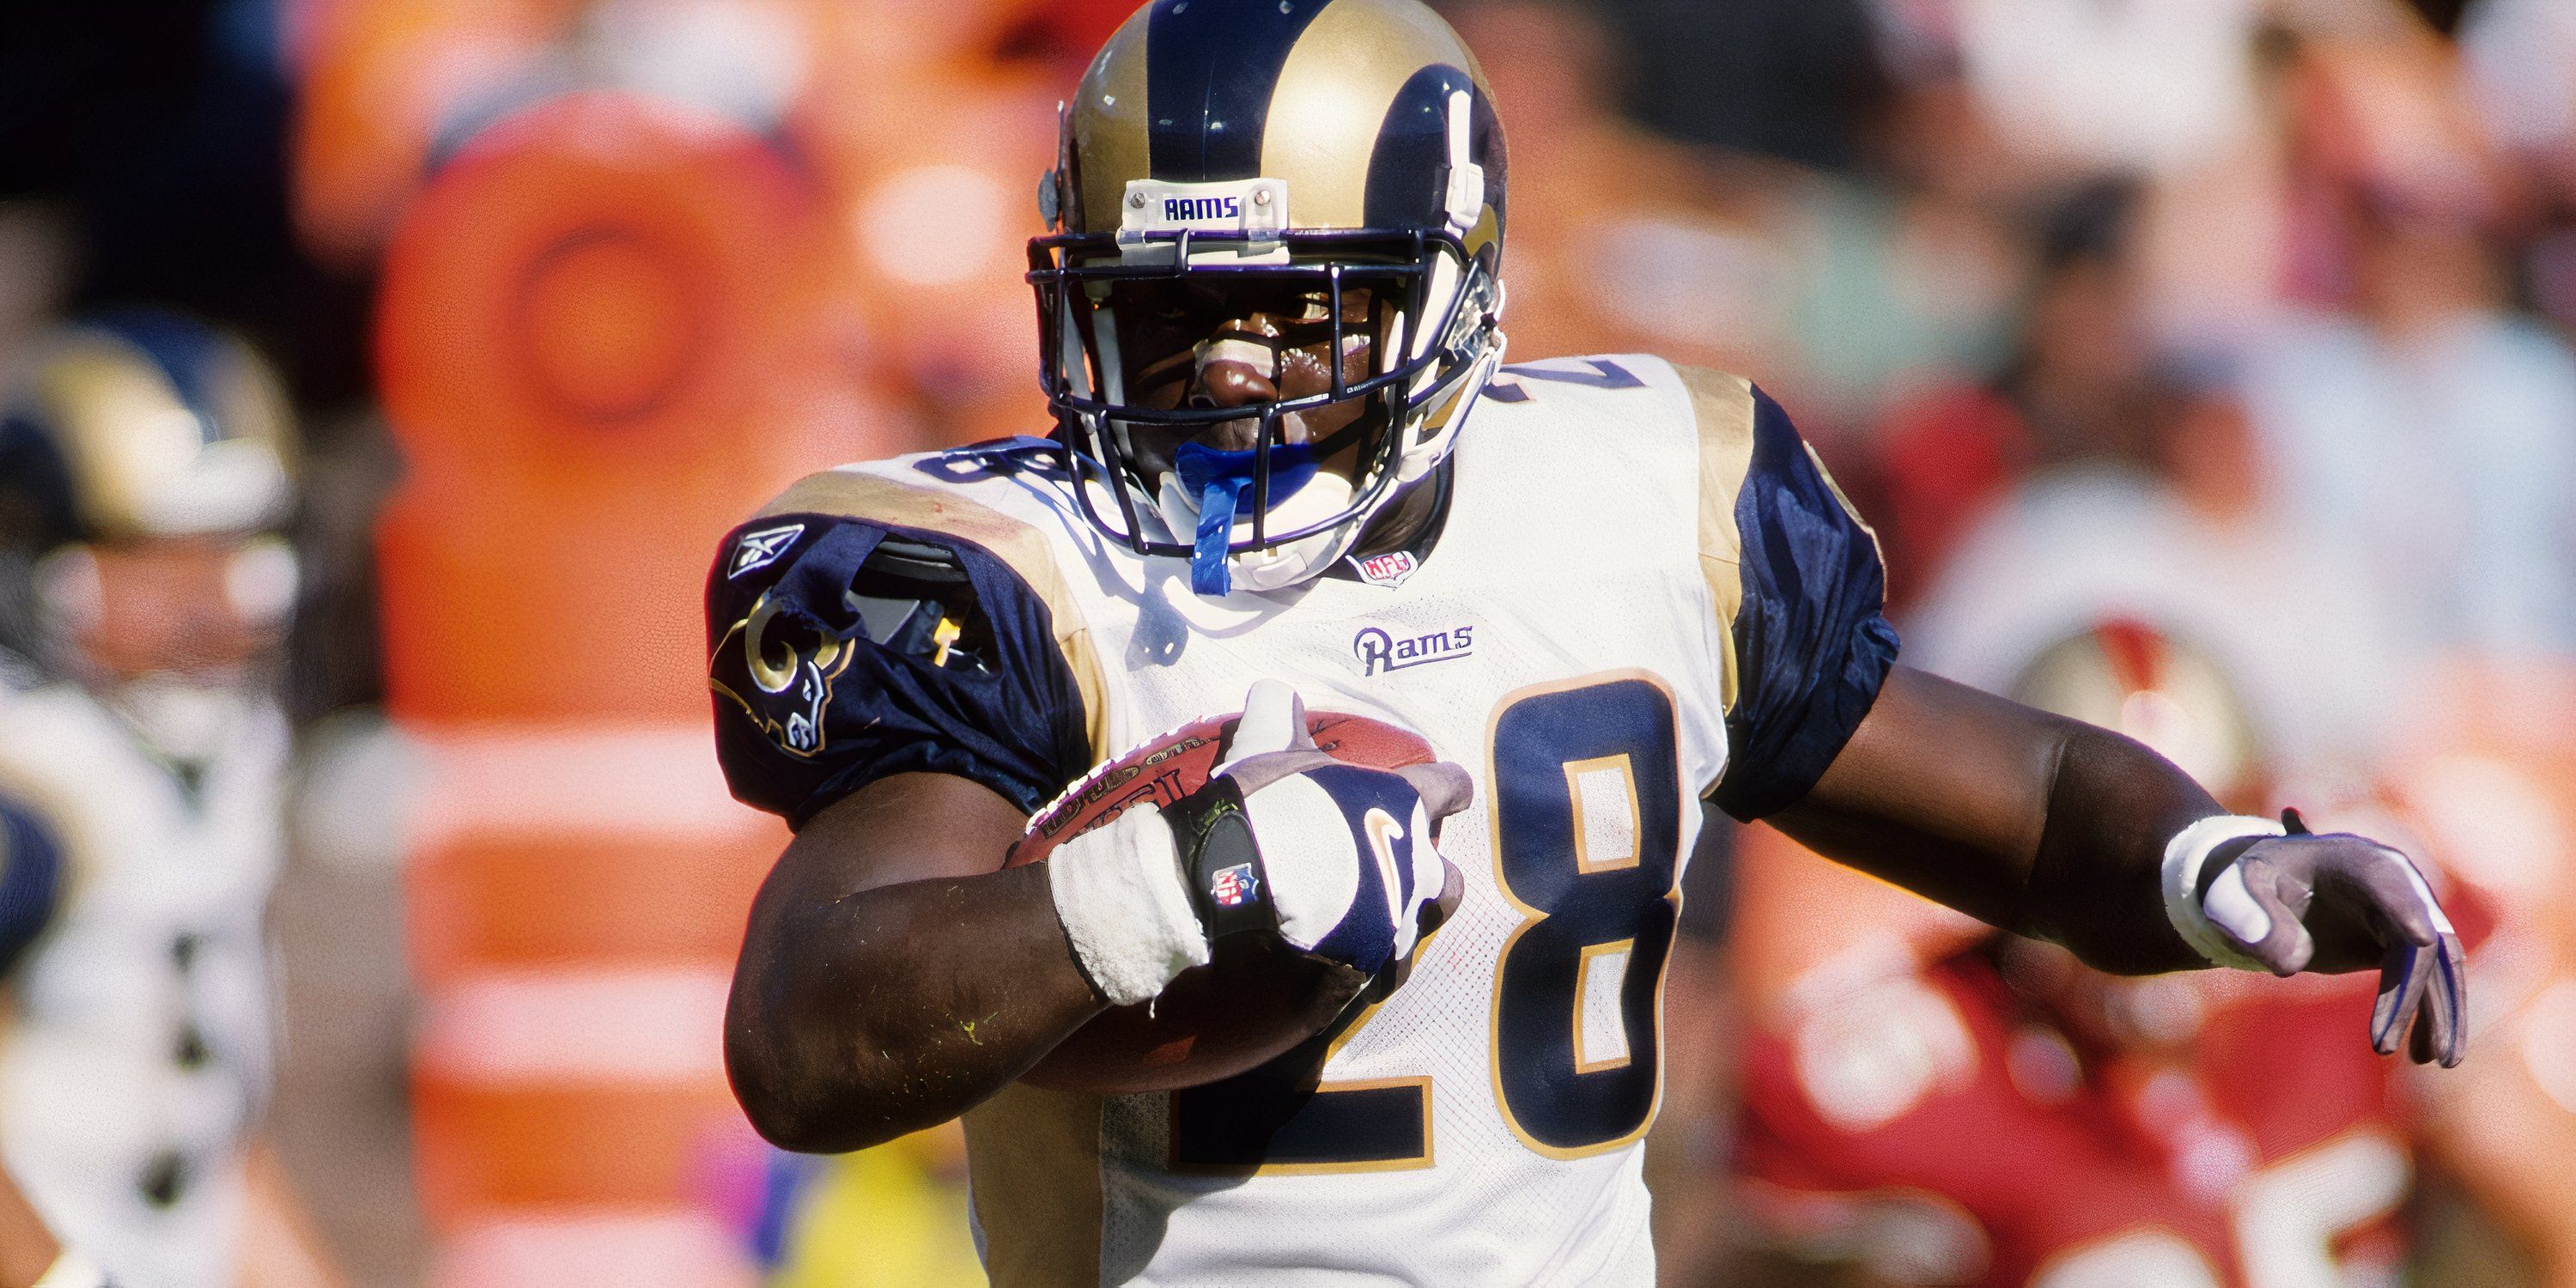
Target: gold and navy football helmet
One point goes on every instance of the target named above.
(139, 423)
(1337, 163)
(140, 448)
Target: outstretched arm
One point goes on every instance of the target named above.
(2041, 825)
(2056, 829)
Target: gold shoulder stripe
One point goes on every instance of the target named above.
(868, 496)
(1723, 406)
(1844, 501)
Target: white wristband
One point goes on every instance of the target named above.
(72, 1270)
(2185, 855)
(1119, 892)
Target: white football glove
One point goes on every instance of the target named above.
(1334, 859)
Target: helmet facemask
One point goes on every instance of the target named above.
(1372, 345)
(1333, 165)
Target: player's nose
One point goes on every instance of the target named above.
(1237, 366)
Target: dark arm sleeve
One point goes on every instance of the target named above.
(1812, 644)
(31, 875)
(838, 659)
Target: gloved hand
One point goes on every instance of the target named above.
(2298, 901)
(1334, 859)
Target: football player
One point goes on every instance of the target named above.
(145, 461)
(30, 872)
(1285, 450)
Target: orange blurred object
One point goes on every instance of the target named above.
(521, 900)
(375, 83)
(606, 333)
(609, 328)
(932, 161)
(572, 1143)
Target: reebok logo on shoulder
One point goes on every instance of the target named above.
(760, 549)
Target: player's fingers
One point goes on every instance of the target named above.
(2402, 980)
(1430, 918)
(1274, 719)
(1444, 788)
(1253, 773)
(2399, 897)
(1453, 890)
(2446, 1004)
(2246, 903)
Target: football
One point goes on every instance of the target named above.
(1253, 1002)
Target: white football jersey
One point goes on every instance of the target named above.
(1570, 636)
(139, 1050)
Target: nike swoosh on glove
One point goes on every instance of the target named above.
(1335, 859)
(2337, 902)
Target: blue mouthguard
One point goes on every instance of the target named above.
(1221, 480)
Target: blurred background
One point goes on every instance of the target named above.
(2203, 365)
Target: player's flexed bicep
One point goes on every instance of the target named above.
(902, 699)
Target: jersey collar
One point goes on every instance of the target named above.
(1390, 568)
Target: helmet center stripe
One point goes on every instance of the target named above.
(1211, 68)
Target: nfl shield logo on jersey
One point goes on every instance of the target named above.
(1234, 887)
(1388, 570)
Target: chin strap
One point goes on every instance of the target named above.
(1220, 479)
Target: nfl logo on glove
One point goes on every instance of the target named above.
(1234, 886)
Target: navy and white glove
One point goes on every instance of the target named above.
(1332, 859)
(2259, 895)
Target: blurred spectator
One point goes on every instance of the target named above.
(891, 1217)
(159, 131)
(2102, 89)
(1789, 79)
(145, 462)
(2492, 779)
(2521, 64)
(2426, 431)
(2071, 391)
(35, 272)
(2178, 538)
(1621, 240)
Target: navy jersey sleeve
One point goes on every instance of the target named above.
(843, 650)
(31, 874)
(1811, 642)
